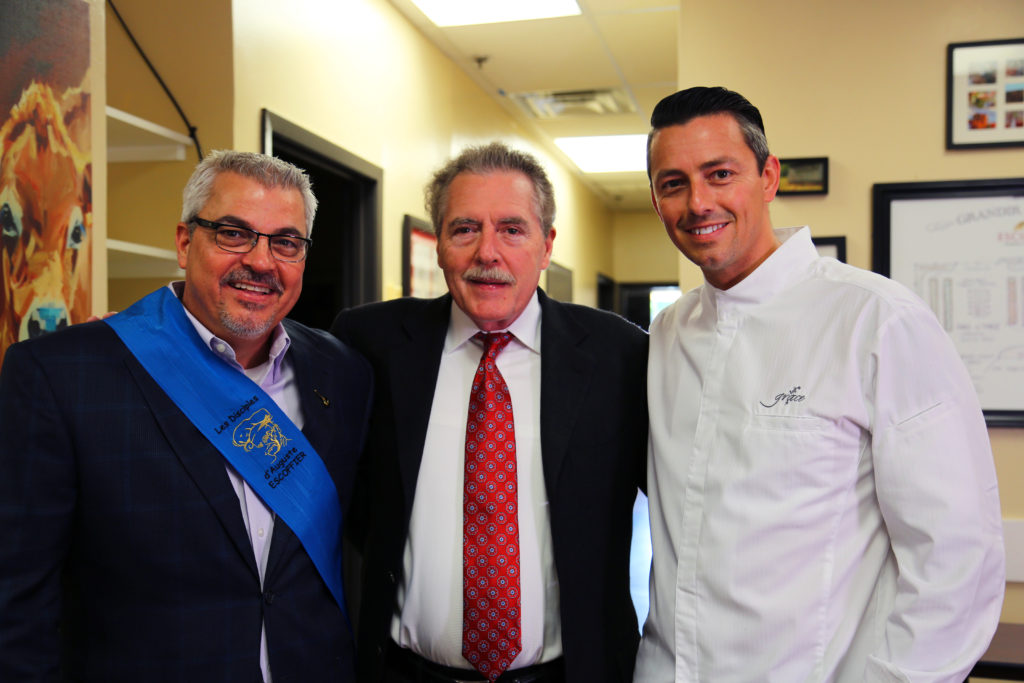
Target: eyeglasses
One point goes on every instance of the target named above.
(239, 240)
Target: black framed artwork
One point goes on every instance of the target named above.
(959, 245)
(803, 175)
(831, 246)
(985, 94)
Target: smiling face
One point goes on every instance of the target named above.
(492, 247)
(711, 197)
(242, 297)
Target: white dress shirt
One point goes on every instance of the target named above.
(276, 377)
(823, 497)
(429, 615)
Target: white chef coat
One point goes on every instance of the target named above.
(822, 491)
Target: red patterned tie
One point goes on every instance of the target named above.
(491, 633)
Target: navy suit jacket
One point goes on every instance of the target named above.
(125, 555)
(593, 445)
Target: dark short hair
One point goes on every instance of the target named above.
(491, 158)
(679, 108)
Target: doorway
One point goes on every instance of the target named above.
(343, 268)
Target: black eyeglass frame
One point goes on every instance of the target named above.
(213, 225)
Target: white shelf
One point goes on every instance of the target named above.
(130, 138)
(130, 260)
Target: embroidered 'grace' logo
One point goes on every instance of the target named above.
(785, 399)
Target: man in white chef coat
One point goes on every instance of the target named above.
(823, 498)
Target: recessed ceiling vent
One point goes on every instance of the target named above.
(556, 104)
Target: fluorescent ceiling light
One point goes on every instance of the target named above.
(606, 153)
(466, 12)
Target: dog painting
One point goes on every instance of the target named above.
(45, 169)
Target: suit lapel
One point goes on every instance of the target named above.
(200, 459)
(566, 372)
(313, 388)
(304, 357)
(412, 375)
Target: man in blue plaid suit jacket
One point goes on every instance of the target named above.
(132, 551)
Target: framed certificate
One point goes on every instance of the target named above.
(960, 247)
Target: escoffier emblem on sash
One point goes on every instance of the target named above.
(259, 431)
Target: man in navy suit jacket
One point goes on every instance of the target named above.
(577, 379)
(134, 551)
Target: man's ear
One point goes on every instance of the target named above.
(654, 203)
(770, 177)
(549, 242)
(182, 240)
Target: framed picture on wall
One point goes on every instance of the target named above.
(831, 246)
(421, 276)
(960, 247)
(46, 197)
(559, 282)
(985, 94)
(806, 175)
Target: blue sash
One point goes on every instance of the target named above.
(243, 423)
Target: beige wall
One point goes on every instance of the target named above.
(355, 73)
(864, 84)
(358, 74)
(189, 43)
(642, 250)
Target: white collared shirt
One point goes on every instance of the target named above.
(276, 376)
(822, 492)
(429, 615)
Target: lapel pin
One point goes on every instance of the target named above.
(323, 399)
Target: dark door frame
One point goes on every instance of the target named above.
(634, 300)
(362, 266)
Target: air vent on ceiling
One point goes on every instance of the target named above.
(561, 103)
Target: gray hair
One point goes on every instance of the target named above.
(266, 170)
(491, 158)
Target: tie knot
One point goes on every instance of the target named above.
(494, 342)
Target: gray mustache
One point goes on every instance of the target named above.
(493, 274)
(246, 274)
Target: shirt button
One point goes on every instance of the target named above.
(218, 346)
(260, 532)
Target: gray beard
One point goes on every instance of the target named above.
(243, 327)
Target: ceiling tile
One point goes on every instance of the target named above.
(643, 44)
(622, 6)
(549, 54)
(647, 96)
(622, 124)
(627, 44)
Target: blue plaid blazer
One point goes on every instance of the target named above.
(125, 556)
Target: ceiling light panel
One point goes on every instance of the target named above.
(606, 153)
(468, 12)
